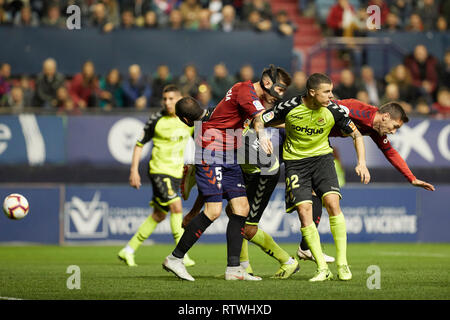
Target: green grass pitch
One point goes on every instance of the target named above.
(407, 271)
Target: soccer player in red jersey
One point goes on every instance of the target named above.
(218, 173)
(377, 123)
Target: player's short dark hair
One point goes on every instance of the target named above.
(189, 108)
(316, 79)
(281, 74)
(396, 111)
(171, 88)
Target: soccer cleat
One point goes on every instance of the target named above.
(344, 272)
(127, 257)
(322, 275)
(176, 266)
(188, 262)
(248, 268)
(187, 181)
(287, 270)
(307, 255)
(239, 273)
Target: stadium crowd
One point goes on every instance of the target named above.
(421, 82)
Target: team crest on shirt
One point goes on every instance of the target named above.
(258, 105)
(321, 122)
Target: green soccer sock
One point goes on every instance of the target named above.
(175, 223)
(312, 238)
(244, 251)
(339, 232)
(144, 231)
(269, 246)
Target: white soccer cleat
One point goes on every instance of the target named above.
(307, 255)
(187, 181)
(239, 273)
(176, 266)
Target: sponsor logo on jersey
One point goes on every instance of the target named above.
(307, 130)
(268, 116)
(258, 105)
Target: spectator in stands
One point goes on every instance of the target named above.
(27, 90)
(429, 13)
(64, 102)
(204, 96)
(415, 23)
(189, 81)
(422, 108)
(444, 71)
(26, 17)
(160, 80)
(391, 93)
(5, 15)
(176, 20)
(283, 24)
(220, 82)
(14, 99)
(47, 84)
(341, 17)
(99, 18)
(441, 24)
(363, 96)
(53, 17)
(347, 88)
(372, 86)
(229, 20)
(246, 73)
(204, 20)
(190, 11)
(441, 108)
(127, 20)
(256, 22)
(151, 20)
(423, 68)
(111, 92)
(297, 86)
(163, 8)
(5, 79)
(403, 9)
(137, 91)
(401, 76)
(83, 88)
(392, 22)
(112, 11)
(216, 6)
(137, 7)
(261, 6)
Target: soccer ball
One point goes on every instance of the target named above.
(15, 206)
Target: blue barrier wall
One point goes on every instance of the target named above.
(28, 47)
(84, 213)
(109, 140)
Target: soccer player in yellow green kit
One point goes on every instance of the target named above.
(169, 136)
(309, 165)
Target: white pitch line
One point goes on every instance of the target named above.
(9, 298)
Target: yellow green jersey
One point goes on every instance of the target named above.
(307, 129)
(170, 136)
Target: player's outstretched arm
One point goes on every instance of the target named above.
(423, 184)
(135, 178)
(361, 168)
